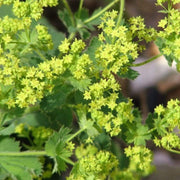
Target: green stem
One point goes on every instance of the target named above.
(74, 135)
(71, 36)
(67, 160)
(25, 153)
(147, 61)
(80, 7)
(120, 12)
(174, 151)
(121, 9)
(18, 42)
(69, 11)
(151, 130)
(101, 12)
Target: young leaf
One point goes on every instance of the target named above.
(86, 124)
(138, 135)
(80, 84)
(55, 147)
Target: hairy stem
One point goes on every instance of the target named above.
(174, 151)
(147, 61)
(74, 135)
(101, 12)
(25, 153)
(67, 160)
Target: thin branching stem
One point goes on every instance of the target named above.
(75, 134)
(147, 61)
(101, 12)
(80, 8)
(24, 153)
(121, 10)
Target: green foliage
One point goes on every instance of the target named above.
(56, 147)
(50, 84)
(17, 167)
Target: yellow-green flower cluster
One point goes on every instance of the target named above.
(161, 2)
(116, 48)
(169, 141)
(46, 3)
(20, 128)
(28, 85)
(139, 30)
(97, 166)
(100, 96)
(170, 35)
(78, 64)
(140, 159)
(44, 38)
(167, 125)
(169, 115)
(7, 2)
(40, 134)
(25, 86)
(75, 48)
(112, 56)
(29, 8)
(10, 26)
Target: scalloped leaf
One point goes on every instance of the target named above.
(55, 147)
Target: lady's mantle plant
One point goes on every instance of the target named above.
(61, 99)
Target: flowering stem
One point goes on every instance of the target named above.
(174, 151)
(69, 11)
(147, 61)
(120, 12)
(74, 135)
(67, 160)
(25, 153)
(150, 131)
(80, 7)
(101, 12)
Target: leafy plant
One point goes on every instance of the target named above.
(61, 104)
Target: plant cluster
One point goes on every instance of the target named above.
(61, 103)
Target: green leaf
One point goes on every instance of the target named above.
(61, 116)
(8, 130)
(60, 165)
(57, 98)
(8, 144)
(58, 139)
(95, 21)
(84, 123)
(94, 44)
(81, 85)
(130, 74)
(138, 134)
(17, 166)
(55, 147)
(6, 10)
(161, 125)
(66, 19)
(21, 167)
